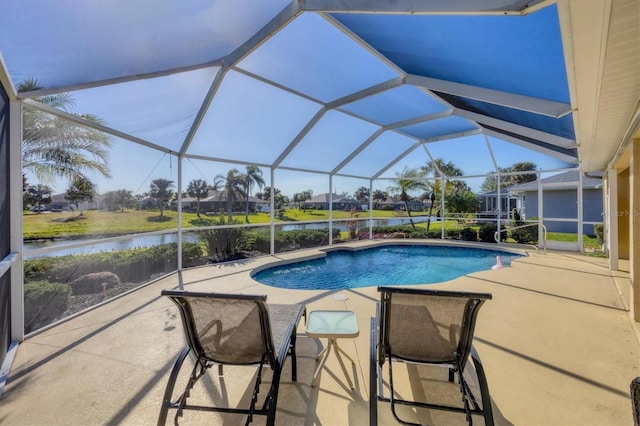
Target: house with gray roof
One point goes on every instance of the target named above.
(321, 202)
(561, 201)
(396, 204)
(216, 201)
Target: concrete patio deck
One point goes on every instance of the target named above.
(557, 343)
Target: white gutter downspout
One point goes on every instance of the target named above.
(540, 210)
(15, 201)
(272, 243)
(611, 217)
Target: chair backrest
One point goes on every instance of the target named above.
(226, 328)
(428, 326)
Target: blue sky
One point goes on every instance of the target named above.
(249, 120)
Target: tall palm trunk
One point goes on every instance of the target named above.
(433, 199)
(406, 206)
(246, 208)
(229, 206)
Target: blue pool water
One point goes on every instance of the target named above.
(386, 265)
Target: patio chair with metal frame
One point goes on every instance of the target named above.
(234, 330)
(430, 327)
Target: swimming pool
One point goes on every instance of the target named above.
(383, 265)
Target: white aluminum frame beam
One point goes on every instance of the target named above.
(496, 97)
(530, 146)
(97, 126)
(419, 119)
(202, 112)
(528, 132)
(358, 150)
(286, 15)
(15, 214)
(5, 80)
(395, 160)
(117, 80)
(423, 7)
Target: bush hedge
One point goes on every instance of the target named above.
(464, 234)
(287, 240)
(222, 243)
(131, 265)
(487, 232)
(527, 235)
(44, 303)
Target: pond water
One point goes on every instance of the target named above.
(31, 249)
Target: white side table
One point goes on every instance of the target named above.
(332, 325)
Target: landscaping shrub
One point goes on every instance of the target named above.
(289, 240)
(528, 235)
(451, 234)
(131, 265)
(468, 234)
(44, 303)
(423, 233)
(418, 233)
(222, 243)
(432, 233)
(487, 233)
(392, 229)
(598, 228)
(192, 254)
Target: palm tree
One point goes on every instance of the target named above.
(491, 182)
(160, 190)
(233, 184)
(37, 195)
(251, 177)
(442, 170)
(379, 195)
(198, 189)
(406, 181)
(80, 190)
(439, 167)
(524, 166)
(53, 147)
(362, 195)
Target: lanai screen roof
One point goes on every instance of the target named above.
(349, 88)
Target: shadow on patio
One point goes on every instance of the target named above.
(556, 341)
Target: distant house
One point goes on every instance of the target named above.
(395, 204)
(560, 201)
(321, 202)
(216, 201)
(489, 206)
(58, 200)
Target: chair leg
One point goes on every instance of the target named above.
(294, 359)
(273, 403)
(256, 391)
(166, 399)
(373, 376)
(487, 410)
(393, 399)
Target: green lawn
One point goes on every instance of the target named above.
(98, 222)
(588, 242)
